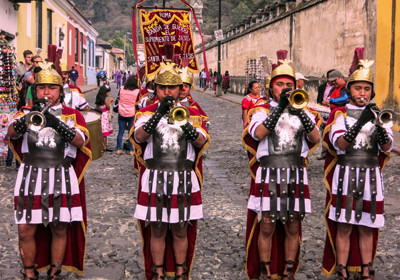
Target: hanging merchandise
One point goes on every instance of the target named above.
(8, 96)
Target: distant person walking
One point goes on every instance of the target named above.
(126, 110)
(73, 75)
(103, 101)
(226, 82)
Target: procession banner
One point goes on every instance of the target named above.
(160, 27)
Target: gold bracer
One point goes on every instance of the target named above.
(363, 73)
(186, 76)
(285, 69)
(48, 75)
(168, 75)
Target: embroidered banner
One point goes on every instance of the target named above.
(161, 27)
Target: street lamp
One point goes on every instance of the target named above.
(61, 35)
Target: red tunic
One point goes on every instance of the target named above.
(329, 258)
(253, 226)
(74, 258)
(169, 263)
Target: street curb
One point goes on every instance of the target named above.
(222, 97)
(396, 150)
(90, 89)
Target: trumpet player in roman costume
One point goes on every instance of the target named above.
(358, 138)
(168, 148)
(186, 98)
(49, 194)
(279, 138)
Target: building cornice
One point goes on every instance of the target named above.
(75, 15)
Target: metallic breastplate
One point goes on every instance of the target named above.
(46, 148)
(366, 140)
(169, 148)
(287, 137)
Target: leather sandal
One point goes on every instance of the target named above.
(156, 276)
(339, 273)
(289, 271)
(371, 271)
(23, 270)
(264, 271)
(184, 275)
(56, 275)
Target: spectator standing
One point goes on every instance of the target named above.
(124, 77)
(73, 75)
(210, 74)
(126, 110)
(30, 78)
(338, 94)
(118, 78)
(251, 98)
(103, 101)
(324, 89)
(21, 69)
(300, 81)
(204, 79)
(226, 82)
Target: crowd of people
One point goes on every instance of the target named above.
(168, 133)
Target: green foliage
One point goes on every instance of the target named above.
(111, 17)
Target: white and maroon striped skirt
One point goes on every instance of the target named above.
(65, 215)
(254, 202)
(196, 208)
(366, 216)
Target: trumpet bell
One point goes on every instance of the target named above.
(179, 115)
(298, 99)
(35, 120)
(386, 118)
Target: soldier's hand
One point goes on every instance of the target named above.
(165, 105)
(284, 98)
(367, 114)
(51, 120)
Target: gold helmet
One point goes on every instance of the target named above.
(186, 76)
(63, 67)
(267, 80)
(48, 75)
(285, 69)
(147, 79)
(362, 74)
(168, 75)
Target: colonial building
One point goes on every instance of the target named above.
(39, 24)
(8, 23)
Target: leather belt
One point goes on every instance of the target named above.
(48, 163)
(358, 160)
(282, 161)
(45, 196)
(169, 165)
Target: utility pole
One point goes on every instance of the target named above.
(124, 52)
(219, 50)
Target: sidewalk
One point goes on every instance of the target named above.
(236, 98)
(87, 88)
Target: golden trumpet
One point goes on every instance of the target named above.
(179, 115)
(298, 99)
(385, 118)
(37, 118)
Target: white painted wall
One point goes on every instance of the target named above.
(8, 20)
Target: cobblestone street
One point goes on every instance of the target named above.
(113, 240)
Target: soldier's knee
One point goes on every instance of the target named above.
(267, 227)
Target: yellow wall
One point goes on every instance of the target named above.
(388, 56)
(29, 43)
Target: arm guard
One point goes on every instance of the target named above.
(190, 132)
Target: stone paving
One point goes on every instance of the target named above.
(113, 240)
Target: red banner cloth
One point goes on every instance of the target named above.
(160, 27)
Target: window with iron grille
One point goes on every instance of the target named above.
(39, 23)
(76, 45)
(81, 48)
(49, 27)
